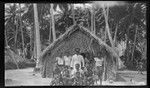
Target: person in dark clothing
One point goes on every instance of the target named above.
(89, 76)
(88, 69)
(66, 76)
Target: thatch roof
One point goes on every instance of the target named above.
(69, 32)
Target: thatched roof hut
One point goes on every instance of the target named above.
(75, 37)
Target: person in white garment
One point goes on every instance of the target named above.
(60, 61)
(76, 69)
(70, 58)
(67, 59)
(99, 66)
(77, 58)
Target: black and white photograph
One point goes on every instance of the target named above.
(93, 43)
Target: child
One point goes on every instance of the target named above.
(60, 60)
(89, 76)
(77, 75)
(99, 66)
(66, 76)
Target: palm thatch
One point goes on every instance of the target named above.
(75, 37)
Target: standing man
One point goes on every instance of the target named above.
(99, 64)
(77, 59)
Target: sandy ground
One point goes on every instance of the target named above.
(25, 77)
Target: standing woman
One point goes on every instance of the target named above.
(66, 72)
(60, 60)
(99, 64)
(60, 63)
(67, 60)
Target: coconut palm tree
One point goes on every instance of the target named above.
(22, 35)
(11, 12)
(37, 33)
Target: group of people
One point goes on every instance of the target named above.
(77, 69)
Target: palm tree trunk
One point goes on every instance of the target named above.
(88, 23)
(22, 32)
(105, 63)
(94, 28)
(15, 27)
(73, 14)
(38, 43)
(50, 30)
(35, 47)
(92, 19)
(127, 49)
(53, 23)
(115, 34)
(107, 26)
(31, 38)
(127, 46)
(16, 34)
(134, 42)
